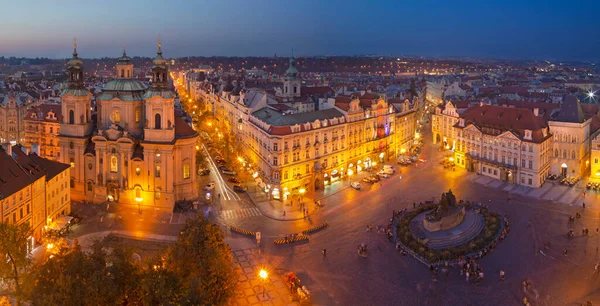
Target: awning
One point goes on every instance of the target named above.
(60, 222)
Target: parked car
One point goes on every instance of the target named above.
(389, 169)
(383, 174)
(374, 178)
(233, 180)
(228, 171)
(209, 186)
(355, 185)
(239, 188)
(203, 171)
(367, 180)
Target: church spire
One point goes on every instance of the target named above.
(75, 47)
(159, 51)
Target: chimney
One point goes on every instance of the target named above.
(35, 148)
(7, 148)
(536, 111)
(25, 150)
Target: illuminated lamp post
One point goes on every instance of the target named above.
(263, 275)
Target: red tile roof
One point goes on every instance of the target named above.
(503, 119)
(183, 130)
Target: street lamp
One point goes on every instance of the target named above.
(263, 275)
(139, 201)
(302, 191)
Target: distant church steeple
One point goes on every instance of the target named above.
(291, 85)
(160, 69)
(75, 69)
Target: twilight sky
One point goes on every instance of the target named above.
(528, 29)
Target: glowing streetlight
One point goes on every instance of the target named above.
(263, 274)
(591, 94)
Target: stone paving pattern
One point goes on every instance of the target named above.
(250, 287)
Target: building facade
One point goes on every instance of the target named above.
(510, 144)
(295, 151)
(13, 110)
(138, 152)
(42, 126)
(33, 190)
(571, 141)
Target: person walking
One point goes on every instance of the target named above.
(467, 275)
(502, 274)
(324, 253)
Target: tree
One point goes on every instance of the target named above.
(13, 243)
(159, 285)
(203, 262)
(79, 278)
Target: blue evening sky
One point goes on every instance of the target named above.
(542, 29)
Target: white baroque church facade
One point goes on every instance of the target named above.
(137, 151)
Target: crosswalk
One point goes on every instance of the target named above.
(239, 213)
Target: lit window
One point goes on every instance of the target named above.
(116, 116)
(114, 164)
(186, 171)
(157, 171)
(137, 115)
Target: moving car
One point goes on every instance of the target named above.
(239, 188)
(209, 186)
(367, 180)
(355, 185)
(203, 171)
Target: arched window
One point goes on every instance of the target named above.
(122, 73)
(71, 117)
(116, 116)
(157, 121)
(573, 155)
(565, 154)
(138, 113)
(72, 183)
(89, 186)
(555, 152)
(128, 73)
(114, 164)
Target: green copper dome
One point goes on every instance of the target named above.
(124, 85)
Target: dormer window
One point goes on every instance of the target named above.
(528, 134)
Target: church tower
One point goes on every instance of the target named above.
(291, 85)
(124, 67)
(159, 103)
(76, 126)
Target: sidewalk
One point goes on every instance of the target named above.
(550, 191)
(274, 209)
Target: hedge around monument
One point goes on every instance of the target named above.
(482, 240)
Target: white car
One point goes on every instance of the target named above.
(355, 185)
(383, 174)
(210, 186)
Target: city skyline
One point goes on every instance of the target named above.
(511, 30)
